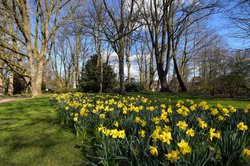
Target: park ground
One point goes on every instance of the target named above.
(31, 135)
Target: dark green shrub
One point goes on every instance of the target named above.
(90, 80)
(134, 87)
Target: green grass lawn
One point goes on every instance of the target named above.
(238, 103)
(30, 135)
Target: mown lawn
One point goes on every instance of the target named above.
(238, 103)
(30, 135)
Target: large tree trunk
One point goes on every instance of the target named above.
(184, 60)
(141, 76)
(1, 78)
(99, 61)
(121, 68)
(181, 83)
(11, 81)
(162, 78)
(121, 50)
(36, 86)
(128, 59)
(36, 78)
(151, 70)
(101, 74)
(77, 68)
(146, 70)
(129, 66)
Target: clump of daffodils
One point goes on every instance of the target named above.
(161, 131)
(114, 133)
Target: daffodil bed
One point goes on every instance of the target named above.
(138, 131)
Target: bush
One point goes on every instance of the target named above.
(134, 87)
(138, 131)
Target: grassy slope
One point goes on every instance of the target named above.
(29, 135)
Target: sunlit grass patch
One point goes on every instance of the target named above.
(30, 135)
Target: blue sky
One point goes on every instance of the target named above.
(220, 23)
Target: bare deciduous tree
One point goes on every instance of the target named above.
(118, 24)
(36, 23)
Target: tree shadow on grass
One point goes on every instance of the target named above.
(31, 135)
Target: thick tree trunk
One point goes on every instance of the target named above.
(181, 83)
(100, 66)
(129, 66)
(77, 68)
(11, 85)
(99, 61)
(146, 70)
(101, 76)
(141, 76)
(1, 79)
(151, 70)
(162, 78)
(128, 60)
(121, 69)
(36, 79)
(158, 85)
(36, 86)
(163, 81)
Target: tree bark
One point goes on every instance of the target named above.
(151, 70)
(181, 83)
(121, 68)
(141, 76)
(11, 81)
(139, 59)
(99, 57)
(146, 70)
(1, 78)
(129, 66)
(162, 78)
(77, 68)
(128, 59)
(36, 78)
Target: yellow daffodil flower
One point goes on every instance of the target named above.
(182, 125)
(246, 152)
(142, 133)
(190, 132)
(241, 126)
(212, 134)
(184, 147)
(173, 156)
(153, 150)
